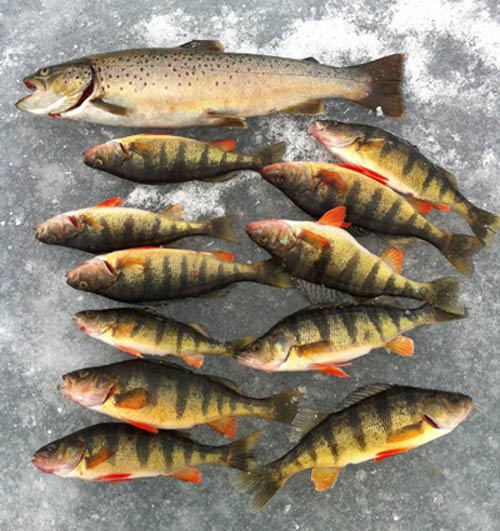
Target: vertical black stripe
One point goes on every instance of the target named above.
(354, 422)
(142, 448)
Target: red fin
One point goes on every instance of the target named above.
(101, 456)
(334, 178)
(227, 426)
(133, 399)
(329, 368)
(114, 201)
(393, 258)
(420, 206)
(314, 239)
(130, 351)
(195, 360)
(223, 255)
(115, 478)
(401, 345)
(226, 145)
(365, 171)
(144, 427)
(389, 453)
(334, 218)
(441, 208)
(187, 474)
(324, 478)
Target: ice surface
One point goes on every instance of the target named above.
(453, 100)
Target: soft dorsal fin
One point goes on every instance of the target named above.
(226, 382)
(203, 45)
(310, 60)
(223, 255)
(199, 328)
(226, 145)
(305, 421)
(334, 217)
(173, 211)
(361, 393)
(393, 258)
(113, 202)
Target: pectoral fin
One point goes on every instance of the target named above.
(313, 349)
(324, 478)
(407, 433)
(333, 178)
(144, 427)
(314, 239)
(130, 351)
(99, 457)
(133, 399)
(111, 107)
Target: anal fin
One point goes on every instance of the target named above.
(195, 360)
(226, 426)
(324, 477)
(190, 474)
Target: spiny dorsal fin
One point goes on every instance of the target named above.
(361, 393)
(199, 328)
(173, 211)
(305, 421)
(203, 46)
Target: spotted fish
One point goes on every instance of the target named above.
(317, 187)
(197, 84)
(152, 274)
(156, 395)
(396, 163)
(108, 226)
(141, 332)
(113, 452)
(323, 253)
(161, 158)
(374, 422)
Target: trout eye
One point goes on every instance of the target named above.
(44, 72)
(83, 285)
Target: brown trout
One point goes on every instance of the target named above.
(141, 332)
(157, 395)
(108, 227)
(373, 422)
(116, 452)
(317, 187)
(161, 158)
(323, 253)
(155, 274)
(198, 84)
(400, 165)
(324, 338)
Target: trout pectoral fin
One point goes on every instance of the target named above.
(330, 369)
(400, 345)
(389, 453)
(195, 360)
(133, 399)
(144, 427)
(187, 474)
(393, 258)
(313, 349)
(324, 478)
(99, 457)
(407, 433)
(111, 108)
(333, 178)
(226, 426)
(130, 351)
(307, 107)
(173, 211)
(203, 45)
(314, 239)
(226, 145)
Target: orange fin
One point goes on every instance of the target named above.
(133, 399)
(312, 349)
(227, 426)
(130, 351)
(226, 145)
(421, 206)
(144, 427)
(99, 457)
(324, 477)
(113, 202)
(334, 178)
(187, 474)
(173, 211)
(393, 258)
(365, 171)
(389, 453)
(335, 218)
(223, 255)
(314, 239)
(407, 433)
(329, 368)
(115, 478)
(89, 220)
(440, 207)
(400, 345)
(195, 360)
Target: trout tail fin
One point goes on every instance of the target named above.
(270, 155)
(241, 453)
(484, 224)
(261, 485)
(286, 406)
(222, 228)
(444, 293)
(386, 76)
(271, 273)
(459, 249)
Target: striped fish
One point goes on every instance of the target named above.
(140, 332)
(160, 158)
(156, 395)
(374, 422)
(317, 187)
(115, 452)
(153, 274)
(108, 227)
(400, 165)
(323, 338)
(323, 253)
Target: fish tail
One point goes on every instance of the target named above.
(441, 316)
(271, 273)
(444, 293)
(484, 224)
(285, 406)
(459, 249)
(222, 228)
(261, 485)
(241, 453)
(270, 155)
(386, 76)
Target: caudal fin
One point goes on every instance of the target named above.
(386, 76)
(440, 316)
(286, 405)
(270, 155)
(241, 453)
(222, 228)
(484, 224)
(459, 249)
(261, 485)
(271, 273)
(444, 293)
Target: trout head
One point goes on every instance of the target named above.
(293, 178)
(267, 353)
(59, 229)
(275, 235)
(95, 323)
(93, 275)
(107, 157)
(87, 387)
(58, 89)
(446, 411)
(60, 457)
(338, 137)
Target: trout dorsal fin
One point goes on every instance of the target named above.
(203, 46)
(361, 393)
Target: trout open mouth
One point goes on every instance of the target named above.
(84, 97)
